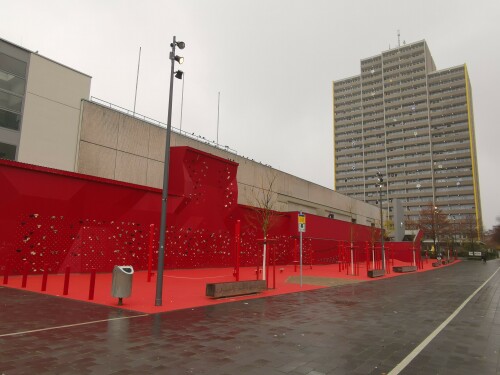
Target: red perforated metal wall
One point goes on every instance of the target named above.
(55, 219)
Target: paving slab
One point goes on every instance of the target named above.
(360, 328)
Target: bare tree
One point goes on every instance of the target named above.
(452, 234)
(492, 236)
(411, 224)
(264, 208)
(469, 230)
(434, 223)
(495, 233)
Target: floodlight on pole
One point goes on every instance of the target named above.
(435, 224)
(163, 222)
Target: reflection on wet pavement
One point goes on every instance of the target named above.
(362, 328)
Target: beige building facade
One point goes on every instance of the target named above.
(413, 124)
(118, 146)
(39, 108)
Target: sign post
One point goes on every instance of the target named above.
(302, 228)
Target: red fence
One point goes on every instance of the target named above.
(57, 219)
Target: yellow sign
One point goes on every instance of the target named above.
(302, 222)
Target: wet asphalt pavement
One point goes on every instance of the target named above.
(364, 328)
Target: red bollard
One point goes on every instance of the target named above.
(339, 259)
(295, 255)
(387, 264)
(66, 281)
(357, 258)
(367, 256)
(150, 256)
(341, 256)
(44, 277)
(274, 267)
(267, 267)
(92, 285)
(6, 275)
(25, 274)
(237, 231)
(388, 260)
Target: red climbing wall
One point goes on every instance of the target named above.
(53, 219)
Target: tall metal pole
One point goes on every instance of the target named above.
(300, 234)
(182, 100)
(137, 79)
(381, 220)
(163, 222)
(434, 230)
(381, 227)
(218, 106)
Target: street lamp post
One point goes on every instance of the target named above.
(182, 102)
(379, 185)
(454, 240)
(163, 222)
(434, 228)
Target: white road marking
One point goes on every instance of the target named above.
(70, 325)
(396, 370)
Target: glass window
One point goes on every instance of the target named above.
(12, 83)
(10, 101)
(7, 151)
(12, 65)
(9, 120)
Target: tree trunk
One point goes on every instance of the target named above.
(264, 260)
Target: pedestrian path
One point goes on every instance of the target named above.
(358, 328)
(185, 288)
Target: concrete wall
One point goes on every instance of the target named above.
(49, 134)
(120, 147)
(117, 146)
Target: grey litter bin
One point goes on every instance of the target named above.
(121, 286)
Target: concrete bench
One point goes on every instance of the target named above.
(235, 288)
(403, 269)
(376, 273)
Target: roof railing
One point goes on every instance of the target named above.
(152, 121)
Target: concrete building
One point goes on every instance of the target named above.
(118, 146)
(413, 124)
(39, 108)
(47, 119)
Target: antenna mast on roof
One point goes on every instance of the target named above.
(137, 79)
(218, 106)
(399, 44)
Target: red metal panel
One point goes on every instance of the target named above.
(66, 219)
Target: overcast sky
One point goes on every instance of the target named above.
(273, 62)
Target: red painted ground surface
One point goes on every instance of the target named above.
(185, 288)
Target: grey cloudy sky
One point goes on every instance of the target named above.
(273, 62)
